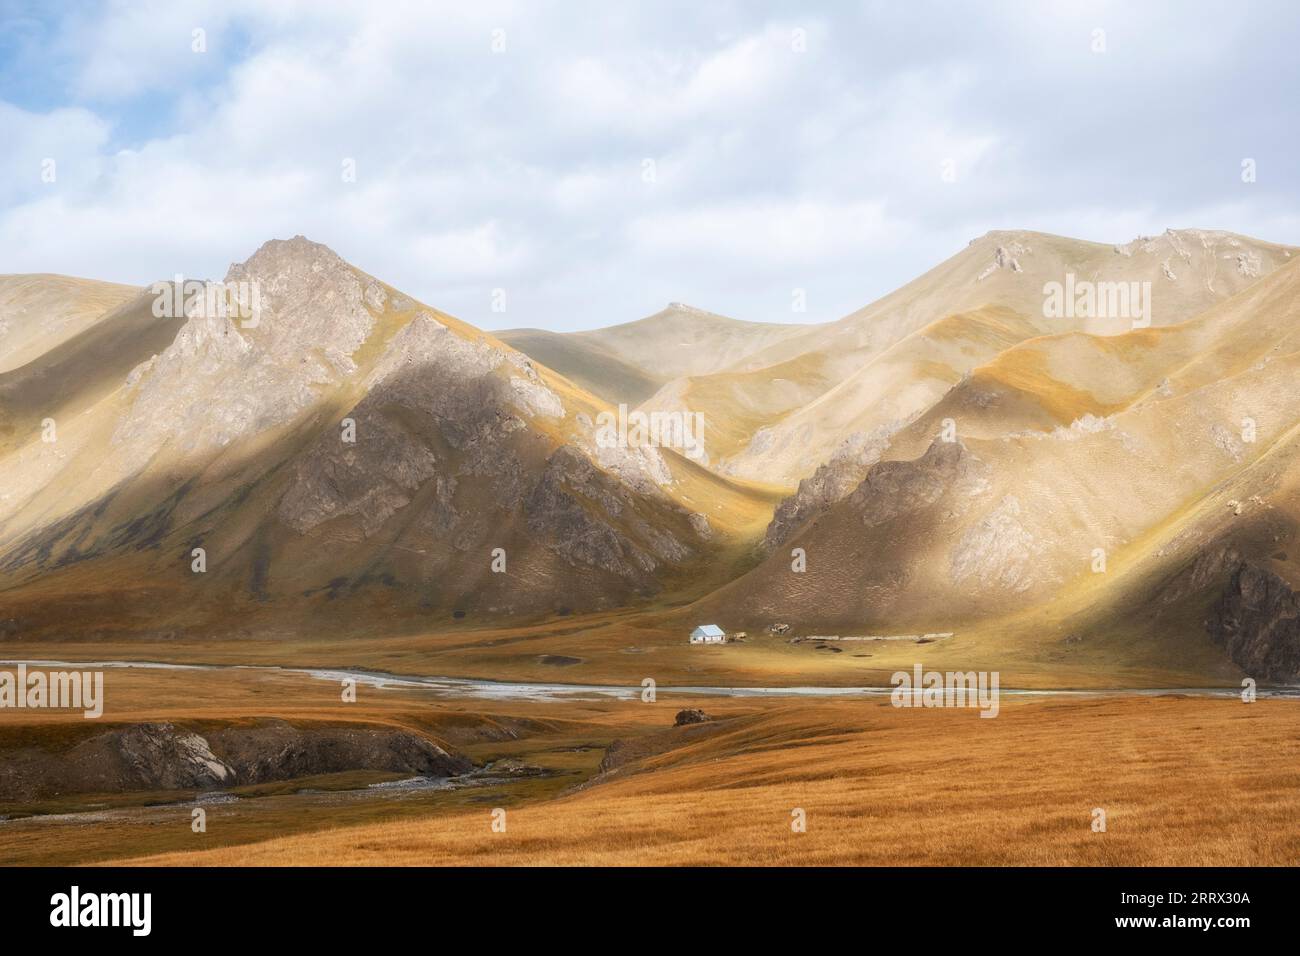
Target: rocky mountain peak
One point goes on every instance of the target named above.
(277, 256)
(301, 296)
(686, 309)
(254, 355)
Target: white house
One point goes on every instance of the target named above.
(708, 634)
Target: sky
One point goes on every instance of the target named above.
(571, 165)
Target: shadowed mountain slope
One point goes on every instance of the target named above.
(350, 445)
(630, 362)
(39, 312)
(1169, 484)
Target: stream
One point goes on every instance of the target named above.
(468, 688)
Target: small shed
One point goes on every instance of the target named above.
(708, 634)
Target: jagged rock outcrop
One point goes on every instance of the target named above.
(237, 372)
(280, 751)
(162, 756)
(372, 479)
(445, 409)
(1006, 257)
(573, 509)
(1257, 620)
(435, 406)
(896, 488)
(831, 483)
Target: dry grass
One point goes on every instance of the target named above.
(1184, 781)
(625, 648)
(568, 740)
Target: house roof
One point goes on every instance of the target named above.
(712, 630)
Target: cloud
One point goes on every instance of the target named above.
(45, 152)
(134, 47)
(508, 145)
(764, 235)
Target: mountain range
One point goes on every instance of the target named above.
(1114, 482)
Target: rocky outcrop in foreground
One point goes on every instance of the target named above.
(162, 756)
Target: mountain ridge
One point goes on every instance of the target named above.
(346, 453)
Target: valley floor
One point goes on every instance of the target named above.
(1182, 781)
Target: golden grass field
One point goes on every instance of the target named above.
(1183, 781)
(624, 647)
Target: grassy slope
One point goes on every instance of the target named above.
(39, 312)
(226, 498)
(963, 283)
(1183, 782)
(71, 377)
(586, 363)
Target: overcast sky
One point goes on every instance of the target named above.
(598, 160)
